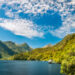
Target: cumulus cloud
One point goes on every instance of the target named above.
(22, 27)
(65, 8)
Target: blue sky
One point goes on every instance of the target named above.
(36, 22)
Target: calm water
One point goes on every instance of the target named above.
(28, 68)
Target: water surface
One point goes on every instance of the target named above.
(28, 68)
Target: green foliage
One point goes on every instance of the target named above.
(68, 66)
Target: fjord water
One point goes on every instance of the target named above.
(28, 68)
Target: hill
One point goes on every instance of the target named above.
(18, 48)
(9, 48)
(5, 51)
(56, 52)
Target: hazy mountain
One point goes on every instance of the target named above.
(10, 48)
(18, 47)
(49, 45)
(5, 51)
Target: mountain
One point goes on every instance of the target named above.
(9, 48)
(63, 53)
(56, 52)
(18, 47)
(49, 45)
(5, 51)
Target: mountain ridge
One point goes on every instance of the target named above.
(49, 45)
(56, 52)
(18, 47)
(4, 50)
(9, 48)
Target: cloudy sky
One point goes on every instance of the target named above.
(36, 22)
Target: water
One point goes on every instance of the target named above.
(28, 68)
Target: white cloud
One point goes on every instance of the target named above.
(67, 27)
(37, 6)
(9, 14)
(64, 7)
(22, 27)
(73, 2)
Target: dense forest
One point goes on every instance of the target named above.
(63, 53)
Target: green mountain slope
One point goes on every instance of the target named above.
(18, 48)
(5, 51)
(10, 48)
(56, 52)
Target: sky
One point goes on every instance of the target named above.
(36, 22)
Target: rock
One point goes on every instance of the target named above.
(50, 61)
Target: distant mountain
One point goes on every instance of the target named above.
(49, 45)
(9, 48)
(5, 51)
(18, 47)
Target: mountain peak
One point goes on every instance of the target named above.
(49, 45)
(24, 44)
(9, 42)
(9, 48)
